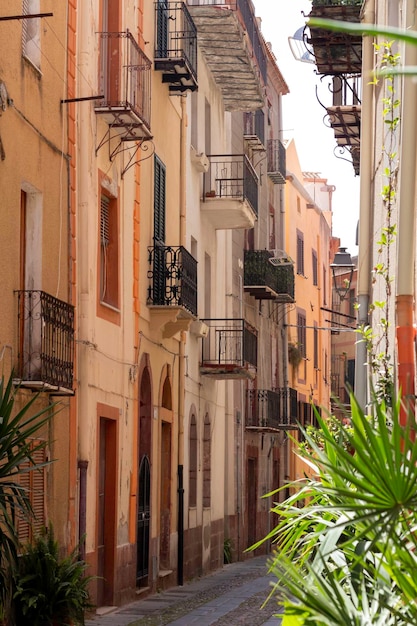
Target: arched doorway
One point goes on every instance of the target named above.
(143, 523)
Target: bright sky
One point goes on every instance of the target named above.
(303, 115)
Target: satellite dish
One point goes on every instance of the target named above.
(299, 47)
(280, 258)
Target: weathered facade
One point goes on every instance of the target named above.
(153, 222)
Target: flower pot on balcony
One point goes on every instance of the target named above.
(210, 194)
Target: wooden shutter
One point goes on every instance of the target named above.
(34, 482)
(159, 201)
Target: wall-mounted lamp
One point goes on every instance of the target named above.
(342, 272)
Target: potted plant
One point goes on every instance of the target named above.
(294, 355)
(50, 590)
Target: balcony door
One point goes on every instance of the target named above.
(111, 61)
(162, 29)
(159, 232)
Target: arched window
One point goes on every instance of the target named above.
(192, 498)
(206, 462)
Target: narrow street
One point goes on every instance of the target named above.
(232, 596)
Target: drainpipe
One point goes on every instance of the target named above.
(83, 182)
(406, 229)
(181, 350)
(366, 206)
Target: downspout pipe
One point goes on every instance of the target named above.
(366, 206)
(406, 229)
(181, 364)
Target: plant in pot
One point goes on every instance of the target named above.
(294, 355)
(50, 590)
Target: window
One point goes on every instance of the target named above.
(109, 252)
(206, 463)
(159, 201)
(31, 33)
(34, 483)
(324, 286)
(192, 499)
(300, 253)
(316, 346)
(301, 331)
(314, 267)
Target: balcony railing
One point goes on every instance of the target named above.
(277, 161)
(125, 83)
(336, 53)
(45, 342)
(230, 349)
(271, 409)
(254, 128)
(231, 176)
(267, 280)
(176, 46)
(173, 278)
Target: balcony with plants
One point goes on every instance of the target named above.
(230, 350)
(172, 289)
(45, 332)
(176, 46)
(267, 277)
(336, 53)
(271, 410)
(230, 39)
(124, 86)
(230, 192)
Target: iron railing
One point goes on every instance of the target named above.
(276, 161)
(45, 340)
(230, 342)
(250, 24)
(125, 76)
(260, 272)
(272, 409)
(337, 3)
(231, 176)
(254, 125)
(176, 34)
(346, 90)
(172, 277)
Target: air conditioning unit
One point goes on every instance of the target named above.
(199, 160)
(199, 328)
(280, 257)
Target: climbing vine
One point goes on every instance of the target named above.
(378, 343)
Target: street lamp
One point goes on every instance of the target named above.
(342, 266)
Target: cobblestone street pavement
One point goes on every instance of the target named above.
(232, 596)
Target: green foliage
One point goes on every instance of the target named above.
(17, 430)
(48, 589)
(346, 547)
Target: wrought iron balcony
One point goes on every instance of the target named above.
(172, 287)
(254, 129)
(176, 46)
(271, 410)
(229, 37)
(45, 342)
(230, 191)
(277, 161)
(230, 349)
(336, 53)
(266, 279)
(125, 83)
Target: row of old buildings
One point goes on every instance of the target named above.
(166, 279)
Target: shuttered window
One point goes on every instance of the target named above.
(31, 32)
(300, 253)
(159, 201)
(109, 256)
(315, 268)
(302, 336)
(34, 482)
